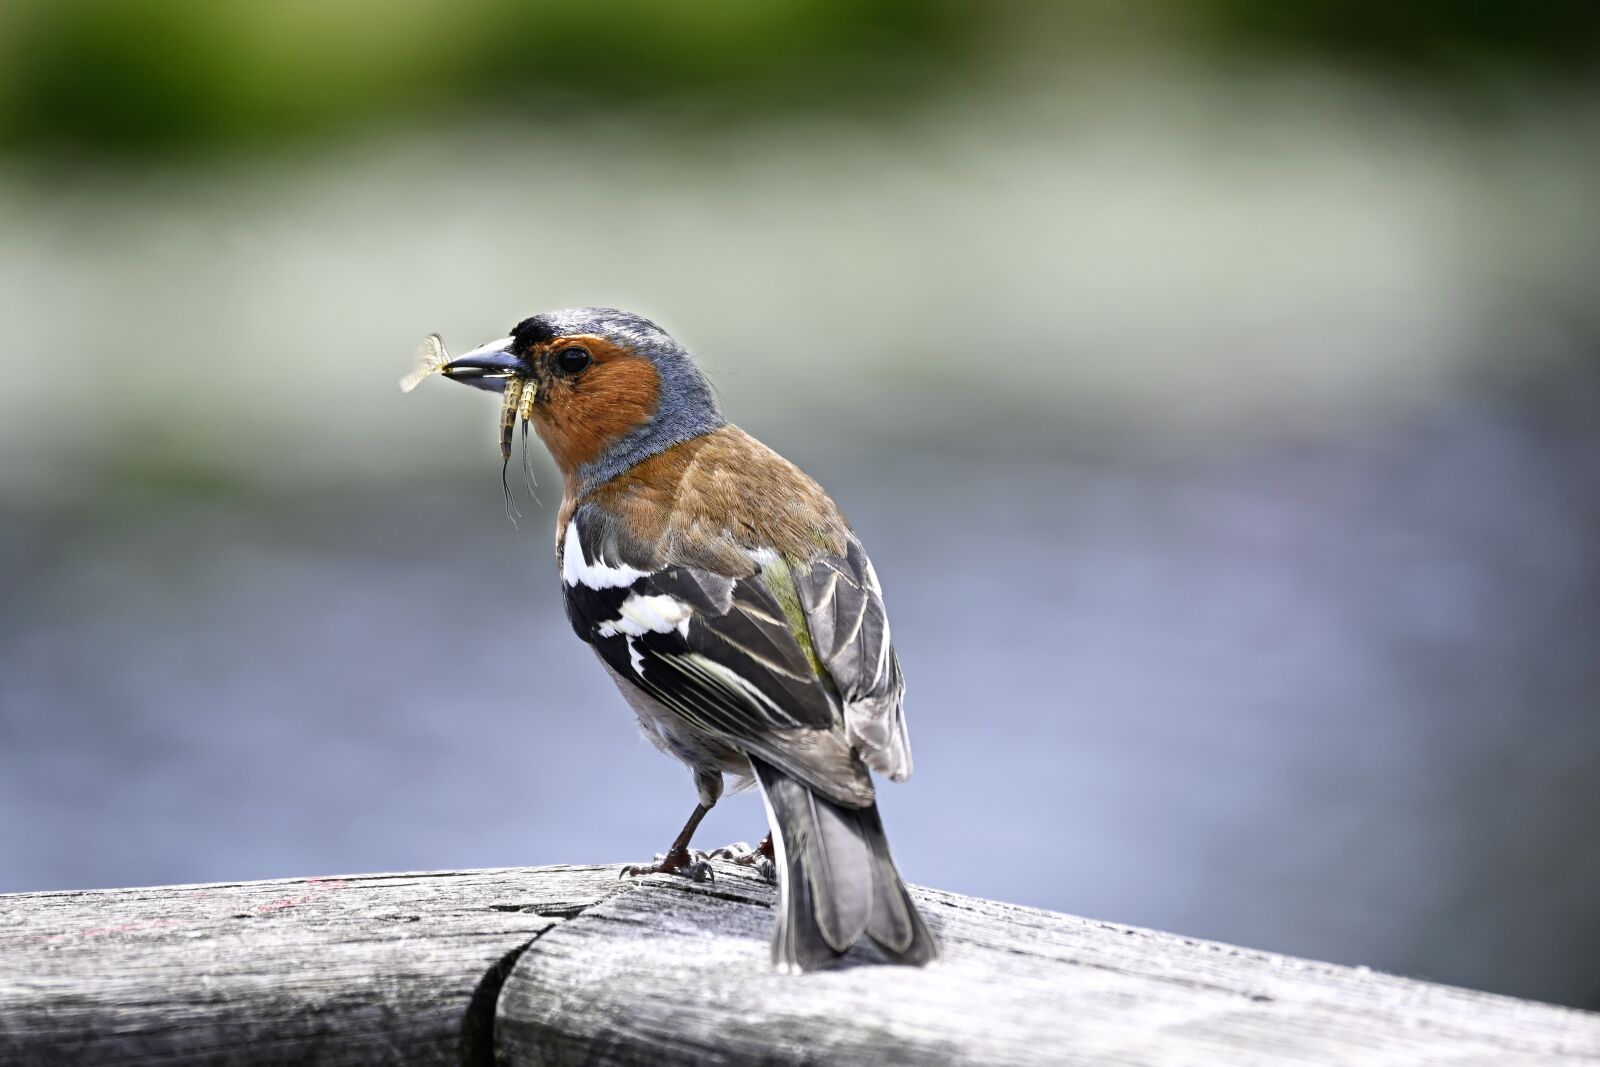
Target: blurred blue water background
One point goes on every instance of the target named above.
(1225, 427)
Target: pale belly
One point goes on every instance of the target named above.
(668, 732)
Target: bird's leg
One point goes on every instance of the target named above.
(678, 859)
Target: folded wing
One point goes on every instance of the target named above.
(850, 630)
(717, 650)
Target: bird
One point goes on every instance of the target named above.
(734, 607)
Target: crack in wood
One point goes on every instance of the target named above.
(571, 965)
(478, 1022)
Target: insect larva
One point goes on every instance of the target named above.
(508, 415)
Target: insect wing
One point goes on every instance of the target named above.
(431, 356)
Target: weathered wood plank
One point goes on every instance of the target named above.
(676, 973)
(414, 969)
(397, 968)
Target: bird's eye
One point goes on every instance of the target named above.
(571, 360)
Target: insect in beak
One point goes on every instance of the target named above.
(487, 367)
(520, 395)
(490, 367)
(429, 360)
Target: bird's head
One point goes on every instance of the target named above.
(603, 388)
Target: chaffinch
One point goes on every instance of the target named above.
(732, 605)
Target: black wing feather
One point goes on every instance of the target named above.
(734, 669)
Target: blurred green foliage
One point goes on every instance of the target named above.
(1450, 38)
(164, 74)
(159, 75)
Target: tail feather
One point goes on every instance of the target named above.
(896, 925)
(838, 880)
(831, 854)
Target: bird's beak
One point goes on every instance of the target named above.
(488, 366)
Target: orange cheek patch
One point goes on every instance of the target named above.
(581, 418)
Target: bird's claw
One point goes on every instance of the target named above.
(693, 865)
(741, 853)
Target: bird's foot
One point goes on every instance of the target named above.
(690, 863)
(760, 857)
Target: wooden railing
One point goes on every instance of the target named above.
(570, 965)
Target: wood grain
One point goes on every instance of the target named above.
(568, 965)
(676, 973)
(375, 969)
